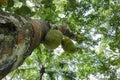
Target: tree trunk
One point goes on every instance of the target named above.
(18, 38)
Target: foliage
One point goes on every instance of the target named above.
(98, 55)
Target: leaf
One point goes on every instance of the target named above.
(23, 11)
(3, 2)
(10, 3)
(23, 1)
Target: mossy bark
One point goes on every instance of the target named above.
(18, 38)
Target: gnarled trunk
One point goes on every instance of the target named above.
(18, 38)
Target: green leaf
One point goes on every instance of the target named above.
(10, 3)
(23, 11)
(23, 1)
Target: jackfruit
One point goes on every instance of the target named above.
(68, 45)
(53, 39)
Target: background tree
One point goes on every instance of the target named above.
(98, 21)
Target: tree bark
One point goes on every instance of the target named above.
(18, 38)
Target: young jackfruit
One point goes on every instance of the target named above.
(53, 39)
(68, 45)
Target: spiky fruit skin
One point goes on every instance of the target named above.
(68, 45)
(53, 39)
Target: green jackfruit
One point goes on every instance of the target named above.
(53, 39)
(68, 45)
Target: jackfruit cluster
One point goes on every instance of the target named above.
(68, 45)
(53, 39)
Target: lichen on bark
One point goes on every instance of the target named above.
(18, 38)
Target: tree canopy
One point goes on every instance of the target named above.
(98, 55)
